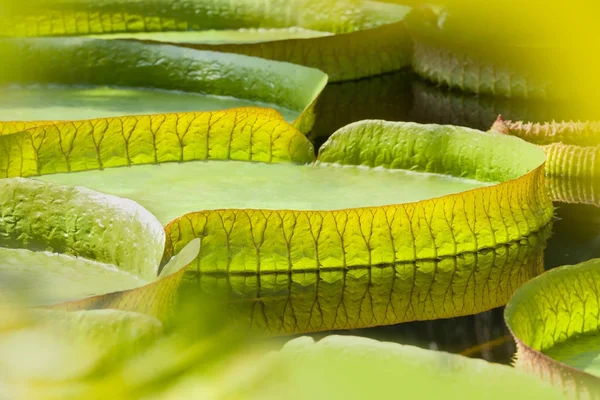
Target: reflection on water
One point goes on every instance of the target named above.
(443, 106)
(575, 234)
(385, 97)
(341, 299)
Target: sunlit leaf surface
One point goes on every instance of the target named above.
(97, 78)
(348, 39)
(554, 319)
(73, 248)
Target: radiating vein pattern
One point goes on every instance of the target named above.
(417, 246)
(549, 316)
(248, 134)
(7, 127)
(328, 295)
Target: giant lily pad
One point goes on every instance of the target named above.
(348, 39)
(73, 78)
(73, 248)
(349, 216)
(349, 367)
(572, 149)
(555, 322)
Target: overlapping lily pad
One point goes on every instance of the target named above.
(349, 367)
(476, 48)
(72, 248)
(396, 200)
(74, 78)
(572, 149)
(42, 349)
(348, 39)
(555, 322)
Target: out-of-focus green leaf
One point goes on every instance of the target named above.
(348, 367)
(53, 348)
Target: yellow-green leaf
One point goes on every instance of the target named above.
(409, 252)
(78, 78)
(53, 350)
(273, 231)
(73, 248)
(348, 39)
(249, 134)
(555, 321)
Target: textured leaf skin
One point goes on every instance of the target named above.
(343, 57)
(7, 127)
(372, 38)
(572, 150)
(572, 162)
(573, 190)
(82, 223)
(78, 221)
(560, 304)
(571, 168)
(248, 134)
(73, 17)
(307, 253)
(469, 72)
(586, 133)
(133, 64)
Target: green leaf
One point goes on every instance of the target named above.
(248, 134)
(554, 319)
(476, 49)
(572, 149)
(49, 347)
(349, 367)
(270, 231)
(72, 248)
(97, 78)
(578, 133)
(348, 39)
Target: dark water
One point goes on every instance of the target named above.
(403, 97)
